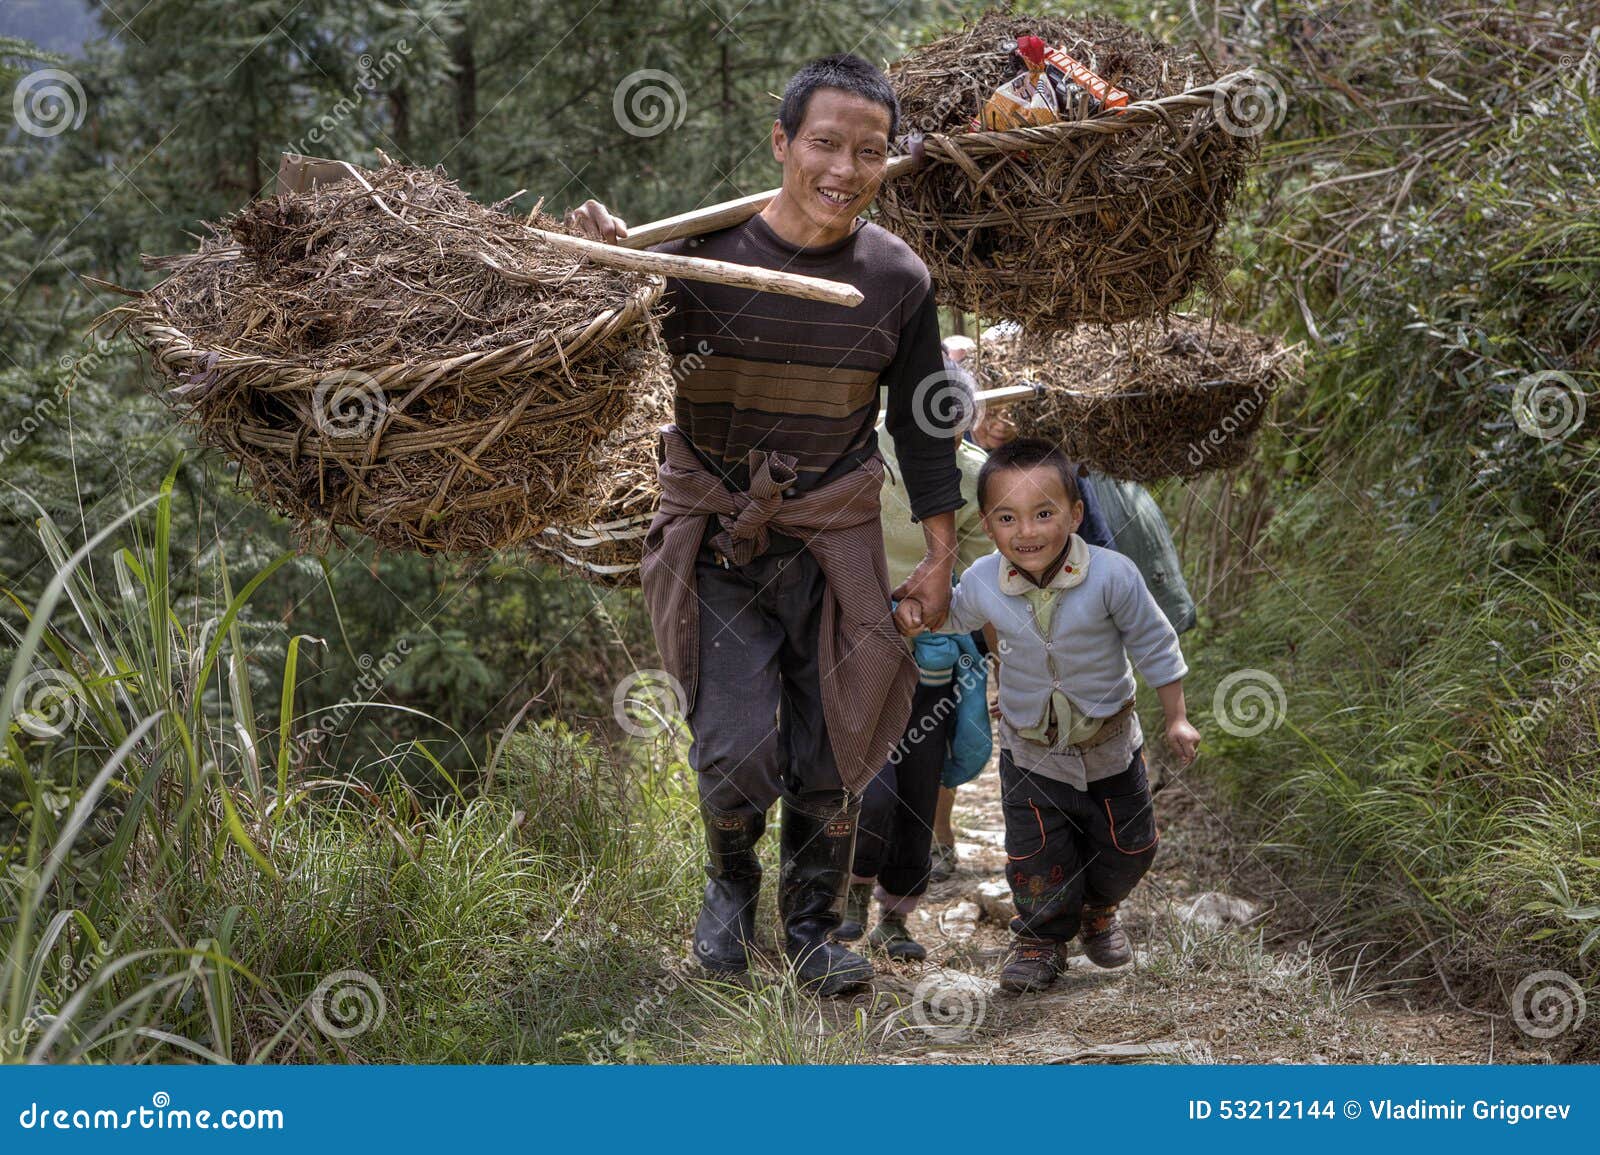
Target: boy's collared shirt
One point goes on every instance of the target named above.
(1063, 725)
(1065, 657)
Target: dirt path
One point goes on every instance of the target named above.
(1197, 991)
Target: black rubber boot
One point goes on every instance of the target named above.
(727, 921)
(857, 905)
(817, 845)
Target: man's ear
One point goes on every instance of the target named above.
(780, 142)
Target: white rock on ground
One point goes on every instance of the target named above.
(1215, 910)
(960, 921)
(994, 901)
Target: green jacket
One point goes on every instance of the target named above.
(1139, 532)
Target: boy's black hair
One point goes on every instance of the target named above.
(843, 70)
(1025, 453)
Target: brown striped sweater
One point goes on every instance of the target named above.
(761, 371)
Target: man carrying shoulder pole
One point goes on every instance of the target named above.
(764, 570)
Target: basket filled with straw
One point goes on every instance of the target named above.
(1145, 401)
(1103, 209)
(381, 353)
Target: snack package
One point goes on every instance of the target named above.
(1075, 86)
(1027, 98)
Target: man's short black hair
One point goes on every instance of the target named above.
(844, 70)
(1025, 453)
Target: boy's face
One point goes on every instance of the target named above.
(834, 165)
(1029, 517)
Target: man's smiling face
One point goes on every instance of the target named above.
(834, 165)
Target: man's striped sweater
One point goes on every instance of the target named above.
(762, 371)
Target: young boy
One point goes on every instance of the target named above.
(1069, 616)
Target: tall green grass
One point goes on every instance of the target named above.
(181, 886)
(1430, 790)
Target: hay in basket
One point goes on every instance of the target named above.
(399, 360)
(1144, 402)
(607, 551)
(1106, 217)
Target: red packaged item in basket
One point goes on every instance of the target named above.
(1067, 74)
(1027, 98)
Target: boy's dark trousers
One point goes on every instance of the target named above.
(1066, 847)
(895, 837)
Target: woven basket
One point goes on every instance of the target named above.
(1105, 219)
(607, 551)
(1144, 403)
(479, 450)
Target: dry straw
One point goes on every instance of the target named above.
(1144, 402)
(607, 551)
(393, 358)
(1102, 218)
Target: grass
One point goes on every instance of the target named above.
(1431, 782)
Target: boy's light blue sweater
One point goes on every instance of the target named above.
(1097, 627)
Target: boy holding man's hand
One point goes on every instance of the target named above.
(1080, 827)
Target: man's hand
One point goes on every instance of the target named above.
(929, 587)
(597, 223)
(1183, 740)
(929, 583)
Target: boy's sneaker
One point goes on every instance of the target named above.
(892, 937)
(1032, 964)
(1104, 942)
(944, 864)
(853, 923)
